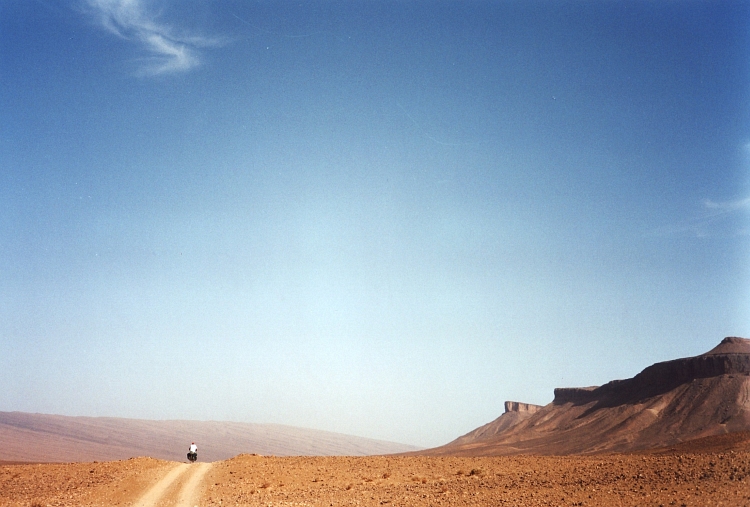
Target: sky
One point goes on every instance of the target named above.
(375, 218)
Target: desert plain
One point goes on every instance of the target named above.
(676, 434)
(712, 471)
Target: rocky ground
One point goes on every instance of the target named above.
(108, 483)
(679, 479)
(665, 478)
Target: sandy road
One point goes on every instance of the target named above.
(190, 494)
(180, 482)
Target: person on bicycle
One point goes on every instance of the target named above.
(192, 454)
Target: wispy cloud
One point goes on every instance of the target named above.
(724, 207)
(733, 212)
(714, 219)
(169, 50)
(721, 218)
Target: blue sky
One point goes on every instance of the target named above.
(376, 218)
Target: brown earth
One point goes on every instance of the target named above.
(667, 403)
(54, 438)
(108, 483)
(739, 441)
(718, 475)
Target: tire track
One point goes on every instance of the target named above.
(189, 495)
(159, 493)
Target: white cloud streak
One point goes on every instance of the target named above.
(169, 51)
(716, 219)
(718, 212)
(720, 208)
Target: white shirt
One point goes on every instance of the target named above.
(193, 448)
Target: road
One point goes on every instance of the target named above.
(181, 483)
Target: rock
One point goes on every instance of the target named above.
(515, 406)
(665, 404)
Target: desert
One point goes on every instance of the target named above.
(674, 434)
(712, 474)
(56, 438)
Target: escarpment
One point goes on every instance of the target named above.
(515, 406)
(515, 412)
(574, 394)
(731, 356)
(665, 404)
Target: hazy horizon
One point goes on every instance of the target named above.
(377, 219)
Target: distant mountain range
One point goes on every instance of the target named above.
(664, 405)
(667, 403)
(55, 438)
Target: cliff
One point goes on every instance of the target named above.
(515, 412)
(730, 357)
(665, 404)
(515, 406)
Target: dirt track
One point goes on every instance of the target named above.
(179, 486)
(190, 494)
(139, 482)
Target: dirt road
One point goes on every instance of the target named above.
(182, 482)
(190, 493)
